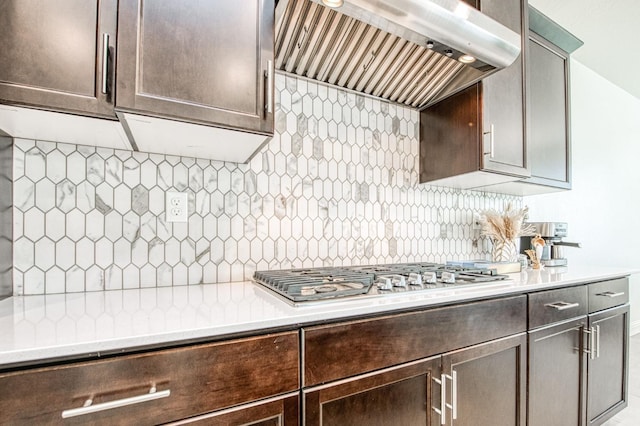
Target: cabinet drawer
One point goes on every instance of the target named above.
(607, 294)
(547, 307)
(191, 380)
(342, 350)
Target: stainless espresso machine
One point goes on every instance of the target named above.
(552, 233)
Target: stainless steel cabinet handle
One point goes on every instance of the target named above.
(594, 342)
(89, 408)
(454, 394)
(491, 133)
(268, 74)
(611, 294)
(443, 396)
(589, 343)
(561, 306)
(105, 62)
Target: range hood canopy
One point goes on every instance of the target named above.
(405, 51)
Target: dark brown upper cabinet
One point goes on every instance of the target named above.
(476, 137)
(200, 71)
(548, 104)
(58, 55)
(207, 62)
(548, 100)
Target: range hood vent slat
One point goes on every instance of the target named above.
(378, 48)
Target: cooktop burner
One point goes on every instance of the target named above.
(312, 284)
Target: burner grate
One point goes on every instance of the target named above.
(312, 284)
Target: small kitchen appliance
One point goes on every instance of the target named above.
(300, 286)
(552, 251)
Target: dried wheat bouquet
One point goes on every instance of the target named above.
(505, 226)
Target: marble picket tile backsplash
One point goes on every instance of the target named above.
(336, 185)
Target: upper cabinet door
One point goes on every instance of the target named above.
(201, 61)
(548, 104)
(503, 100)
(58, 54)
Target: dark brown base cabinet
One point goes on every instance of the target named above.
(607, 372)
(480, 385)
(578, 354)
(483, 383)
(163, 386)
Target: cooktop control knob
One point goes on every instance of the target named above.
(399, 281)
(384, 283)
(430, 277)
(415, 279)
(448, 277)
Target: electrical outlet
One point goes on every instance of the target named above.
(176, 207)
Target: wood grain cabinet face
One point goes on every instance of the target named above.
(200, 379)
(197, 61)
(503, 100)
(608, 370)
(402, 395)
(53, 55)
(488, 383)
(548, 110)
(557, 368)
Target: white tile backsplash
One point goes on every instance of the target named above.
(336, 185)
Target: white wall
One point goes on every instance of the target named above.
(603, 208)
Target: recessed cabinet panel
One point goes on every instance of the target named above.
(503, 100)
(202, 52)
(53, 54)
(608, 370)
(487, 383)
(398, 396)
(556, 369)
(548, 113)
(197, 61)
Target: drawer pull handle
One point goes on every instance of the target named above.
(89, 408)
(561, 306)
(611, 294)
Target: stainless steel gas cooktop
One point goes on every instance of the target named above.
(306, 285)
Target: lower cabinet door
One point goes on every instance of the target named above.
(485, 385)
(279, 411)
(394, 396)
(557, 366)
(608, 367)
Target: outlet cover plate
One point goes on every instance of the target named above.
(176, 207)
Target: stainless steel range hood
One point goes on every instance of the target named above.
(406, 51)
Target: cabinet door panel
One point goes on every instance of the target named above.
(547, 100)
(556, 375)
(502, 100)
(52, 53)
(400, 395)
(195, 60)
(490, 382)
(608, 372)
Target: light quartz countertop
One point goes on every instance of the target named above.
(83, 325)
